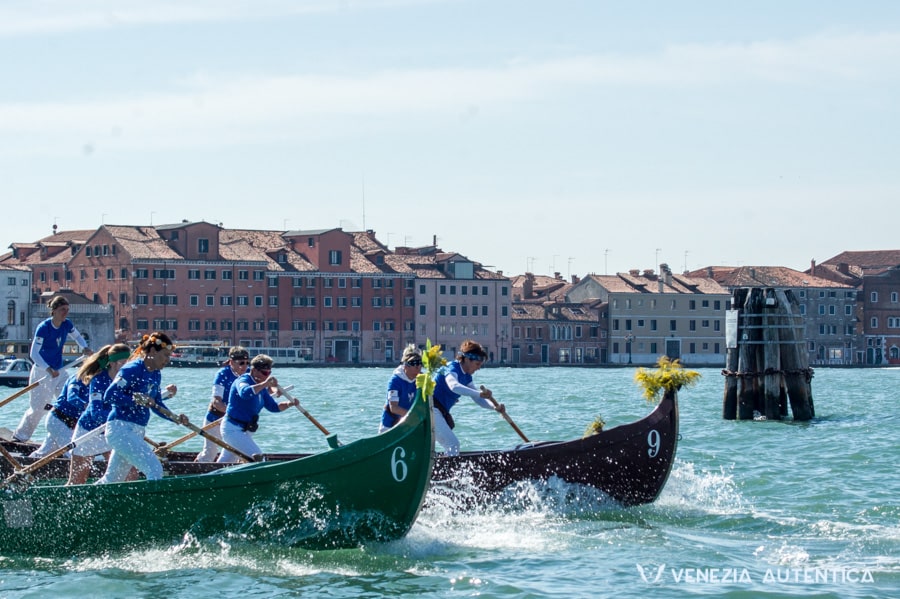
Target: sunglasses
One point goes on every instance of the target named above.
(263, 370)
(414, 362)
(241, 362)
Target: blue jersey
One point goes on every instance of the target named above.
(97, 410)
(52, 341)
(244, 405)
(442, 394)
(133, 378)
(405, 391)
(73, 399)
(224, 380)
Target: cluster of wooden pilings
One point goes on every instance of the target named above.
(766, 363)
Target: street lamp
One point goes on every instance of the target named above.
(629, 339)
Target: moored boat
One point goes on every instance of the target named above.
(369, 490)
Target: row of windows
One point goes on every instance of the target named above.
(11, 282)
(557, 332)
(463, 290)
(822, 293)
(825, 329)
(691, 348)
(895, 297)
(673, 324)
(212, 324)
(463, 310)
(673, 304)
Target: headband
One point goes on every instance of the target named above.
(156, 342)
(473, 356)
(105, 361)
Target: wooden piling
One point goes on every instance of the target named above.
(768, 369)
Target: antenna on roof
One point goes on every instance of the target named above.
(364, 200)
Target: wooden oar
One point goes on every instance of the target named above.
(31, 386)
(146, 400)
(163, 448)
(331, 438)
(10, 458)
(507, 418)
(25, 473)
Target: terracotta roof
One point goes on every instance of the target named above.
(761, 276)
(871, 262)
(142, 243)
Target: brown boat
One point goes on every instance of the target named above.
(630, 462)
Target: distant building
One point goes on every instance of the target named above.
(338, 296)
(874, 274)
(652, 315)
(828, 307)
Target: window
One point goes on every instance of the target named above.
(210, 301)
(194, 300)
(334, 257)
(194, 274)
(209, 274)
(874, 297)
(203, 248)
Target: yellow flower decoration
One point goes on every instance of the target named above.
(432, 359)
(670, 376)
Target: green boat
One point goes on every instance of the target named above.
(370, 490)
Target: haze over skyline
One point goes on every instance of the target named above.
(572, 136)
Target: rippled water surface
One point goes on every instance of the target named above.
(775, 509)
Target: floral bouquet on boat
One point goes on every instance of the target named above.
(432, 361)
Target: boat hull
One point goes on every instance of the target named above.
(368, 490)
(630, 463)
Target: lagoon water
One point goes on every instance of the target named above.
(751, 509)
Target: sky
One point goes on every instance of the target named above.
(546, 136)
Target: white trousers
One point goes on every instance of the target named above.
(443, 434)
(58, 435)
(239, 439)
(91, 447)
(42, 395)
(210, 449)
(129, 449)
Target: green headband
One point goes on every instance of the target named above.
(104, 362)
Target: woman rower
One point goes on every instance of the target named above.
(454, 380)
(401, 391)
(249, 395)
(48, 370)
(128, 419)
(235, 366)
(98, 373)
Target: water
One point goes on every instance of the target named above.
(772, 509)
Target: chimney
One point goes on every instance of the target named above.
(665, 273)
(528, 286)
(557, 276)
(575, 279)
(634, 272)
(844, 268)
(812, 267)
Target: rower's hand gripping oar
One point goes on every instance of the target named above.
(33, 385)
(23, 475)
(330, 437)
(162, 448)
(146, 400)
(506, 417)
